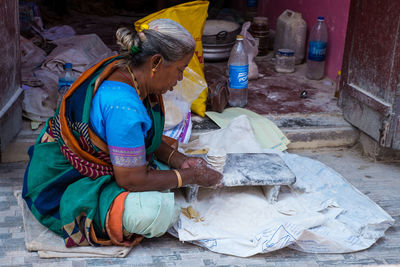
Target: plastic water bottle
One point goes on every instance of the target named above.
(238, 74)
(65, 81)
(317, 51)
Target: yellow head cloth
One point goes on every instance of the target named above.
(142, 27)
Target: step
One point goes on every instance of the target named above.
(18, 147)
(304, 131)
(321, 137)
(310, 131)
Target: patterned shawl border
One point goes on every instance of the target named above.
(76, 233)
(84, 167)
(66, 132)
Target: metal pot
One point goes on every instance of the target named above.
(217, 52)
(220, 31)
(218, 38)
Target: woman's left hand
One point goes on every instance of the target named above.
(191, 162)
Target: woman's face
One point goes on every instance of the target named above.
(167, 75)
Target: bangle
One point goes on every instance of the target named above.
(179, 178)
(170, 156)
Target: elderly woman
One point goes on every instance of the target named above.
(93, 175)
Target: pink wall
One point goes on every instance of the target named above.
(336, 15)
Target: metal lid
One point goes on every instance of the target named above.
(261, 20)
(285, 52)
(239, 37)
(215, 26)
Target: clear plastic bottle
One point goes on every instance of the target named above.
(317, 51)
(238, 74)
(65, 81)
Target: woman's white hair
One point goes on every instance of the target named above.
(164, 36)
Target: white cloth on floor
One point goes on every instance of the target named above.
(49, 245)
(238, 137)
(320, 213)
(267, 134)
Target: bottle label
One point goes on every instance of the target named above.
(64, 85)
(238, 76)
(251, 3)
(317, 51)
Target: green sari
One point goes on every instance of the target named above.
(68, 183)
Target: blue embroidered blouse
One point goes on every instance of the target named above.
(119, 118)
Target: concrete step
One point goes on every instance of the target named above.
(18, 147)
(310, 131)
(304, 131)
(321, 137)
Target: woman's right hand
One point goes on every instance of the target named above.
(206, 177)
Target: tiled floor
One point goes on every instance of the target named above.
(380, 181)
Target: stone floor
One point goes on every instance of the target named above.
(378, 180)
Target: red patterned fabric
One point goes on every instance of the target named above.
(84, 167)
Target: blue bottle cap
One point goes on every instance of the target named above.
(321, 18)
(251, 3)
(285, 52)
(68, 66)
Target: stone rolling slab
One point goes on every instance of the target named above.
(267, 170)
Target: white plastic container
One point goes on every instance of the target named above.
(291, 30)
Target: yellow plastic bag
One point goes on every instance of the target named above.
(191, 16)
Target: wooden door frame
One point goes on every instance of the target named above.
(389, 107)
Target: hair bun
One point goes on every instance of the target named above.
(124, 38)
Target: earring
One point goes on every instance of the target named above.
(156, 66)
(154, 69)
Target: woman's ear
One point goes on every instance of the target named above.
(155, 62)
